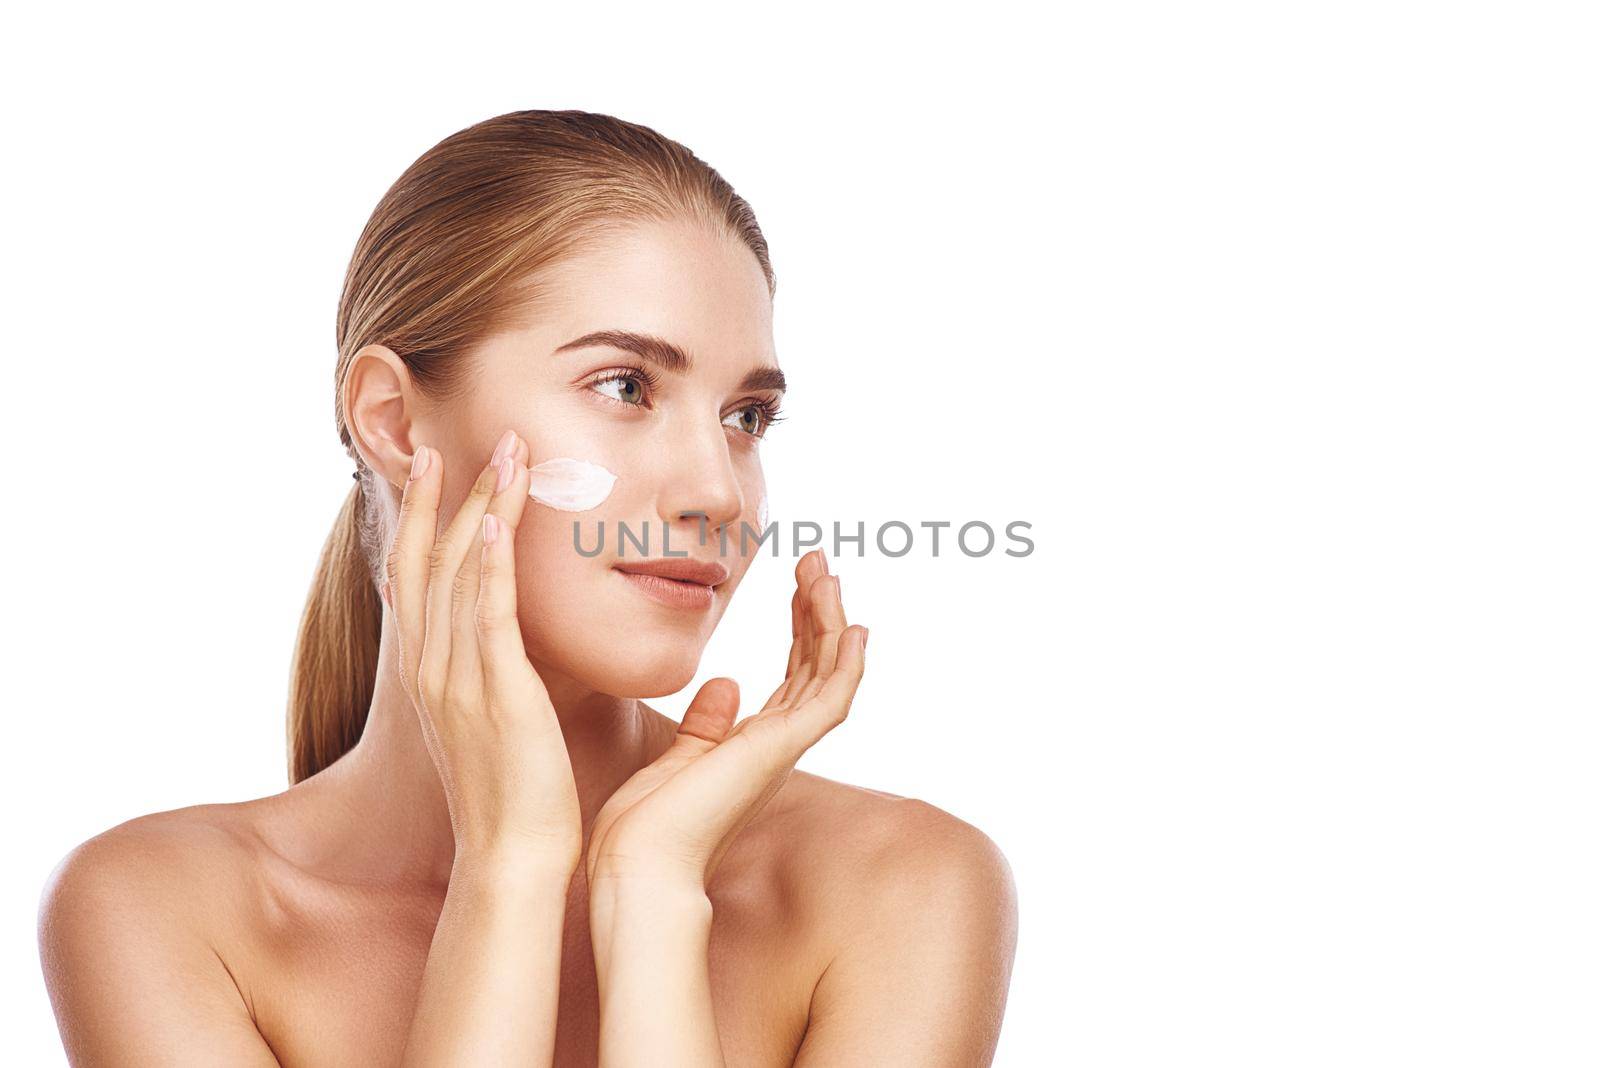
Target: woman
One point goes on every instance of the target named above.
(493, 852)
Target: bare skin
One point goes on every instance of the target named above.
(842, 925)
(327, 970)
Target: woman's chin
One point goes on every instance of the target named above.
(647, 669)
(642, 686)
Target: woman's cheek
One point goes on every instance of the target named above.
(559, 608)
(546, 559)
(758, 494)
(744, 545)
(577, 618)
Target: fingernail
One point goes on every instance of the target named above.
(507, 467)
(419, 462)
(865, 634)
(491, 528)
(504, 448)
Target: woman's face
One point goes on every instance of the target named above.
(682, 436)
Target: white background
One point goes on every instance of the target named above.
(1277, 322)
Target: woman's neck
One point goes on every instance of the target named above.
(388, 821)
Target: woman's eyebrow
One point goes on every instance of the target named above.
(665, 354)
(656, 350)
(765, 378)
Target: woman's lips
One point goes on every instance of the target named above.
(677, 581)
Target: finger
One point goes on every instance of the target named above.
(721, 788)
(827, 610)
(464, 533)
(729, 782)
(806, 572)
(819, 591)
(829, 703)
(499, 634)
(710, 714)
(797, 620)
(466, 663)
(812, 567)
(726, 786)
(796, 648)
(406, 567)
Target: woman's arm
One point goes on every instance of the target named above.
(920, 977)
(491, 984)
(657, 840)
(651, 945)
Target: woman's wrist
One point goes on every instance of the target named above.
(634, 915)
(510, 868)
(652, 942)
(491, 985)
(681, 895)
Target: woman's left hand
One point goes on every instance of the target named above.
(669, 825)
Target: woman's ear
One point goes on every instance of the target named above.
(379, 406)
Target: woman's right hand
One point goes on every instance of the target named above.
(486, 717)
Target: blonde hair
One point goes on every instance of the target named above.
(448, 258)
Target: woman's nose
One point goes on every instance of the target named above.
(701, 489)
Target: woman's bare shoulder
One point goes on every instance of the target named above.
(863, 846)
(183, 865)
(135, 929)
(902, 896)
(841, 813)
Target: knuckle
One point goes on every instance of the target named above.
(438, 563)
(484, 486)
(407, 512)
(479, 492)
(462, 588)
(489, 616)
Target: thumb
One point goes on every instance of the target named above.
(711, 713)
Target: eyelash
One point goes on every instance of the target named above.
(771, 411)
(651, 380)
(771, 414)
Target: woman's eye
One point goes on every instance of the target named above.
(627, 388)
(750, 419)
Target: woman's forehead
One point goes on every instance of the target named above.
(687, 296)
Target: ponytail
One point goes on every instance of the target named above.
(336, 652)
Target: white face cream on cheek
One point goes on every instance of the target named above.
(570, 485)
(761, 512)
